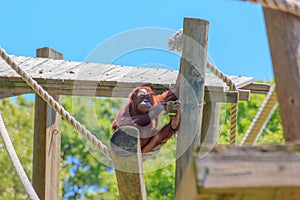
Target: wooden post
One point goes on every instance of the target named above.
(127, 158)
(47, 138)
(191, 94)
(210, 123)
(284, 39)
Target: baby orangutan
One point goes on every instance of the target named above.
(142, 111)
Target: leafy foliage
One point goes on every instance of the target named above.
(273, 132)
(18, 116)
(85, 173)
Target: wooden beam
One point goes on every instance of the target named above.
(107, 89)
(264, 172)
(99, 90)
(284, 39)
(63, 77)
(188, 189)
(10, 94)
(258, 88)
(261, 118)
(210, 124)
(127, 159)
(191, 94)
(47, 138)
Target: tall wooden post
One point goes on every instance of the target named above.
(284, 39)
(126, 155)
(191, 94)
(210, 124)
(47, 138)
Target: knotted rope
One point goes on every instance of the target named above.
(54, 104)
(289, 6)
(175, 43)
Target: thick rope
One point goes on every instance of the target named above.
(289, 6)
(16, 162)
(233, 106)
(54, 104)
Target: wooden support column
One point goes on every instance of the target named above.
(47, 138)
(127, 158)
(284, 39)
(210, 124)
(191, 94)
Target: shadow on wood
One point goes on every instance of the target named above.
(127, 158)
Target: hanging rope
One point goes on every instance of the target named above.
(16, 162)
(175, 43)
(289, 6)
(54, 104)
(233, 106)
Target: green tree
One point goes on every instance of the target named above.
(85, 172)
(273, 132)
(17, 116)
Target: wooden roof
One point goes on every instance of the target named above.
(93, 79)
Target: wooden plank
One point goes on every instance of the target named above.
(191, 94)
(81, 71)
(7, 70)
(57, 76)
(257, 193)
(264, 166)
(47, 137)
(267, 172)
(241, 81)
(257, 88)
(261, 118)
(106, 89)
(45, 69)
(284, 39)
(127, 159)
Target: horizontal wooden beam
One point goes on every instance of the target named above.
(263, 172)
(65, 76)
(266, 172)
(16, 86)
(258, 88)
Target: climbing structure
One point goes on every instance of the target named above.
(267, 172)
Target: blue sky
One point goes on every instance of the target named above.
(238, 42)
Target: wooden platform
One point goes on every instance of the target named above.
(64, 77)
(268, 172)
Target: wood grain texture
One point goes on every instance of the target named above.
(127, 159)
(231, 167)
(47, 138)
(257, 88)
(261, 118)
(210, 124)
(64, 77)
(191, 94)
(266, 172)
(284, 39)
